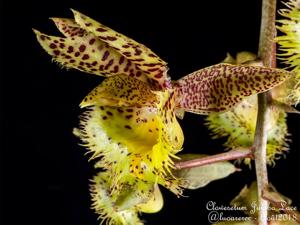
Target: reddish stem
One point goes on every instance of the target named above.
(238, 153)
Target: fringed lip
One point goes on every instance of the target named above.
(134, 142)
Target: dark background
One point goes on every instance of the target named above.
(44, 173)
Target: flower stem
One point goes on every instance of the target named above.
(260, 155)
(267, 46)
(233, 154)
(266, 52)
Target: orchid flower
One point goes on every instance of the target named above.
(130, 125)
(238, 124)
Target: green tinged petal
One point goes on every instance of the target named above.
(104, 202)
(289, 46)
(239, 124)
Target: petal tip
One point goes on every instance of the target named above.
(35, 31)
(84, 104)
(75, 12)
(54, 19)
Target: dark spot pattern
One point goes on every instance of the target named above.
(128, 127)
(82, 48)
(131, 50)
(93, 41)
(220, 87)
(125, 89)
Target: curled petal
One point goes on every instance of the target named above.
(154, 204)
(220, 87)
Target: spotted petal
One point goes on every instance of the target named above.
(121, 90)
(143, 57)
(220, 87)
(68, 27)
(88, 54)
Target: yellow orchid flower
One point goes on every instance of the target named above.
(130, 125)
(122, 207)
(133, 141)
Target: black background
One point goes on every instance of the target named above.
(44, 173)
